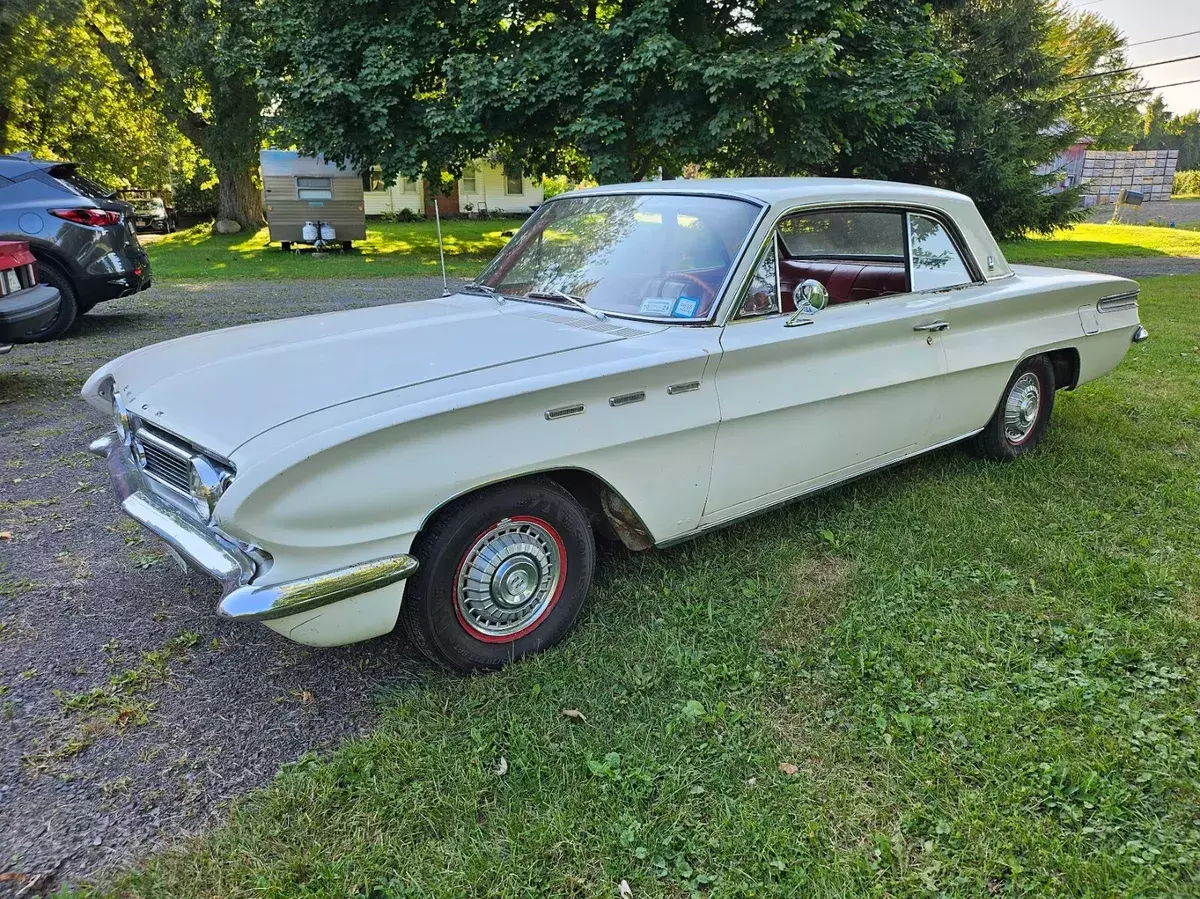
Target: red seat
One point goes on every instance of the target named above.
(846, 282)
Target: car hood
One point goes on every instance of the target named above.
(222, 388)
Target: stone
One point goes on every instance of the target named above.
(226, 226)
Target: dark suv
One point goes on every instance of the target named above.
(83, 239)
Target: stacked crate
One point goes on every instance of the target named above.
(1105, 172)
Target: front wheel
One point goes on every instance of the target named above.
(1020, 421)
(504, 574)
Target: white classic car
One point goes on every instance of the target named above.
(642, 362)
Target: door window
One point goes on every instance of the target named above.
(857, 255)
(936, 262)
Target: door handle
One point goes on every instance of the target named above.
(932, 326)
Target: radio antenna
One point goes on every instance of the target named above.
(437, 217)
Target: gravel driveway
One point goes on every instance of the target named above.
(129, 713)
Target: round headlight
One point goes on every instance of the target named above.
(207, 483)
(121, 418)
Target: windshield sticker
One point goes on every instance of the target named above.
(656, 306)
(685, 307)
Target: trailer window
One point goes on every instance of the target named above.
(314, 188)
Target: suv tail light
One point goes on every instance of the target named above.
(88, 215)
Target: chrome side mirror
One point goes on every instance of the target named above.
(811, 296)
(813, 293)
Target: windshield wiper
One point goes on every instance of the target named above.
(483, 290)
(553, 293)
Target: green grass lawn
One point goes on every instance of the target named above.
(390, 250)
(1089, 241)
(951, 679)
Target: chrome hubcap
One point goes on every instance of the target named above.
(509, 577)
(1021, 408)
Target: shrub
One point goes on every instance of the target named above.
(1187, 183)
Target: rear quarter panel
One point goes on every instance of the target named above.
(994, 326)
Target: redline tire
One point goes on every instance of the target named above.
(504, 574)
(1022, 415)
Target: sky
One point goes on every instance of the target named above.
(1144, 20)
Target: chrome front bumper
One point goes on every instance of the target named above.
(210, 551)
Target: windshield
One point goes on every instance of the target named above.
(656, 255)
(154, 205)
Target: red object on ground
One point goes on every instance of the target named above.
(14, 254)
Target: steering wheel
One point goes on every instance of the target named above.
(706, 293)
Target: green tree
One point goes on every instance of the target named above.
(1100, 98)
(625, 88)
(1008, 114)
(61, 97)
(1188, 125)
(201, 58)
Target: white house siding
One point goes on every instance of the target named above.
(393, 199)
(490, 194)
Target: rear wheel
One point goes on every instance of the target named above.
(1021, 419)
(504, 574)
(68, 307)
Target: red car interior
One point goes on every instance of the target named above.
(846, 281)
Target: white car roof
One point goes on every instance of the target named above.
(784, 193)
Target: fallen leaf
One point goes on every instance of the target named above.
(788, 768)
(573, 714)
(752, 782)
(501, 767)
(306, 696)
(5, 535)
(624, 890)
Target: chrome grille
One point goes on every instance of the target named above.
(164, 459)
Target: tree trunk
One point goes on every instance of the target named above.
(239, 199)
(4, 116)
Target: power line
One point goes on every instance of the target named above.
(1139, 90)
(1147, 65)
(1169, 37)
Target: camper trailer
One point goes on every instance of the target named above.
(311, 201)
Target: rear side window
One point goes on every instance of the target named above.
(69, 176)
(936, 262)
(845, 234)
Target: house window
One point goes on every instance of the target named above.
(373, 180)
(314, 188)
(407, 186)
(513, 183)
(468, 181)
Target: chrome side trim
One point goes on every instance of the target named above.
(626, 399)
(1118, 301)
(685, 387)
(564, 412)
(210, 551)
(809, 491)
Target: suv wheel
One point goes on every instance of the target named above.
(68, 307)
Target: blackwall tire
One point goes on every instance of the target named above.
(504, 574)
(1022, 415)
(68, 308)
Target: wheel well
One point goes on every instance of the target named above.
(1066, 367)
(610, 515)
